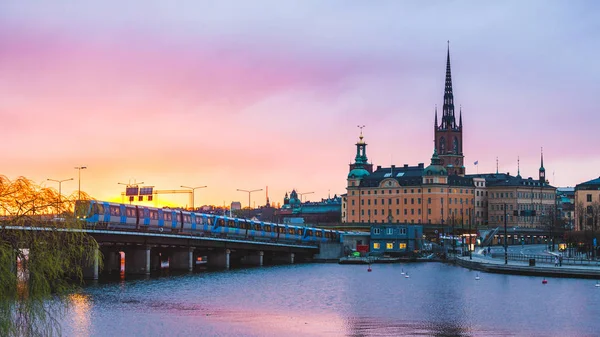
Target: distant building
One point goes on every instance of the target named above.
(587, 205)
(565, 205)
(392, 239)
(236, 205)
(326, 211)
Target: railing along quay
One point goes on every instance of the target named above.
(548, 259)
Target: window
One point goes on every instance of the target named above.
(376, 245)
(352, 202)
(376, 231)
(389, 245)
(589, 198)
(375, 202)
(402, 245)
(429, 200)
(390, 231)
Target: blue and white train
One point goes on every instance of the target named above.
(133, 217)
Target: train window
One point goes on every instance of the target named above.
(167, 216)
(268, 228)
(256, 226)
(209, 221)
(231, 223)
(220, 222)
(290, 231)
(154, 215)
(319, 234)
(327, 234)
(333, 235)
(281, 230)
(309, 232)
(100, 209)
(130, 212)
(115, 211)
(141, 212)
(187, 218)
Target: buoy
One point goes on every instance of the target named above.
(369, 270)
(544, 281)
(477, 277)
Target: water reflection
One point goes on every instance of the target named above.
(80, 314)
(334, 300)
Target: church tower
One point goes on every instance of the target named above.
(542, 169)
(448, 134)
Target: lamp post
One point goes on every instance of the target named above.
(193, 190)
(505, 238)
(59, 192)
(249, 193)
(79, 168)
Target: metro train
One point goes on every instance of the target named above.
(117, 216)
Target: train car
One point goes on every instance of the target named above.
(122, 216)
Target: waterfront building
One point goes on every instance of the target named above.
(519, 202)
(587, 205)
(438, 195)
(393, 239)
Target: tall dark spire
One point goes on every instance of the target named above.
(542, 169)
(448, 119)
(460, 118)
(436, 123)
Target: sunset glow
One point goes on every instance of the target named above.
(244, 95)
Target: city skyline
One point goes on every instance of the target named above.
(247, 95)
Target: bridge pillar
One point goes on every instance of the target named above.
(254, 258)
(219, 259)
(284, 258)
(182, 260)
(137, 260)
(292, 256)
(90, 267)
(112, 261)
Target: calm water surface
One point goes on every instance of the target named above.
(338, 300)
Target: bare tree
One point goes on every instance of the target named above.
(580, 215)
(40, 259)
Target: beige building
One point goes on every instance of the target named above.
(587, 205)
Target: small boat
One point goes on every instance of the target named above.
(402, 272)
(477, 276)
(369, 269)
(406, 275)
(598, 284)
(544, 281)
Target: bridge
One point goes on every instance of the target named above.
(142, 253)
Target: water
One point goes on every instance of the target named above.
(338, 300)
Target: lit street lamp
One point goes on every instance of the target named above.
(79, 168)
(193, 190)
(59, 192)
(249, 193)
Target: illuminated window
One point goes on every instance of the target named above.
(389, 245)
(402, 246)
(376, 245)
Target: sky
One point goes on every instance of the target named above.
(249, 94)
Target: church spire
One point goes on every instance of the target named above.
(542, 169)
(460, 118)
(448, 119)
(436, 123)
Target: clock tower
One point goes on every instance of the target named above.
(448, 134)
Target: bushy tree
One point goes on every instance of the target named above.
(41, 257)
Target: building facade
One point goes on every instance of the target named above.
(396, 239)
(587, 205)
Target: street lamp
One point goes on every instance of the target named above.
(79, 168)
(249, 193)
(193, 189)
(302, 194)
(59, 192)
